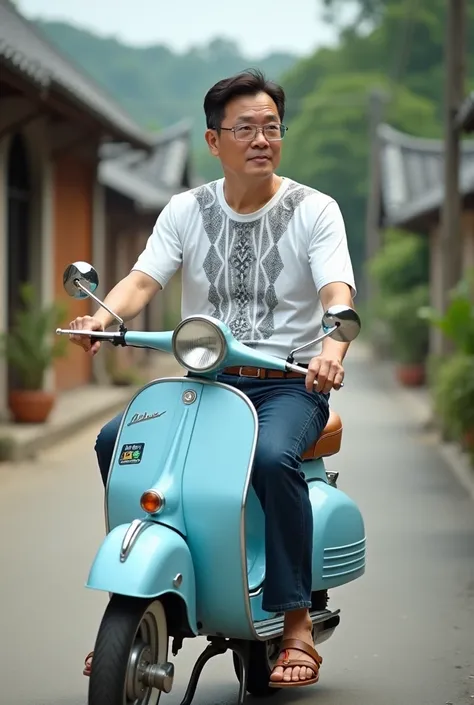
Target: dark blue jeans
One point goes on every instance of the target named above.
(290, 419)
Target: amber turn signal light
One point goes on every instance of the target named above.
(152, 502)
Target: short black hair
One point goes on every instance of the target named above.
(248, 82)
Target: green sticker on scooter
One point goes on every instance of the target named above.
(131, 453)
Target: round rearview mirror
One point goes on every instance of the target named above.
(344, 320)
(82, 273)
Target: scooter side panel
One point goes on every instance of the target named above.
(152, 441)
(158, 555)
(215, 486)
(338, 537)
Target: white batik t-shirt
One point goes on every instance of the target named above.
(259, 273)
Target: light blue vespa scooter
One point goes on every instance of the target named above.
(184, 551)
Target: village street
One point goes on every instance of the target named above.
(406, 632)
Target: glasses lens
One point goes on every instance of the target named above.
(247, 133)
(273, 132)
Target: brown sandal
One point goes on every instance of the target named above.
(285, 662)
(88, 664)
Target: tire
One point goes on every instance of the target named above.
(261, 656)
(128, 625)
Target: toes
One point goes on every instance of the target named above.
(296, 673)
(277, 674)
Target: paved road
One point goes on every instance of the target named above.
(407, 629)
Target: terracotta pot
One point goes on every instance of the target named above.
(31, 406)
(411, 375)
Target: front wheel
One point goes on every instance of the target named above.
(130, 663)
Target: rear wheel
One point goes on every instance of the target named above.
(130, 666)
(262, 654)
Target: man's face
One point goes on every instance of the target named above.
(258, 156)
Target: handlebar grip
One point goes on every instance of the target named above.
(94, 335)
(303, 371)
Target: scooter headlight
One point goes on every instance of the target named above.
(199, 344)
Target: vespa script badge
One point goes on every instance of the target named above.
(138, 418)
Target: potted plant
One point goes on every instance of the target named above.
(400, 270)
(409, 334)
(31, 347)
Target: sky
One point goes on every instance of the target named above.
(258, 27)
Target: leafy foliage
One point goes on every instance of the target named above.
(457, 323)
(454, 395)
(401, 264)
(392, 46)
(409, 333)
(401, 271)
(31, 347)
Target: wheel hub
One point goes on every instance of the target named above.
(160, 676)
(140, 658)
(143, 674)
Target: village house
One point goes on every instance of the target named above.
(138, 184)
(79, 180)
(410, 192)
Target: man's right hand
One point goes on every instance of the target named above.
(86, 323)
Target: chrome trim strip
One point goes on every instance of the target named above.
(133, 532)
(345, 546)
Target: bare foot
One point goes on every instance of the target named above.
(298, 625)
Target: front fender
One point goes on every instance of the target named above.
(157, 556)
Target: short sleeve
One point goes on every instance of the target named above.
(163, 253)
(328, 250)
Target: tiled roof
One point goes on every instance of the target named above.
(411, 170)
(150, 179)
(24, 49)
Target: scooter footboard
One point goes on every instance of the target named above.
(145, 559)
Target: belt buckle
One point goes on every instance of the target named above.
(241, 374)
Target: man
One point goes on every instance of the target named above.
(266, 255)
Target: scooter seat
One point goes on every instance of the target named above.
(329, 442)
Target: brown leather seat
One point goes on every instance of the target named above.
(329, 442)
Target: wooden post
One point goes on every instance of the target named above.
(450, 236)
(377, 100)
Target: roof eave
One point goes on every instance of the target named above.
(137, 138)
(41, 80)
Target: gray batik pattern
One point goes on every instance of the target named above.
(243, 262)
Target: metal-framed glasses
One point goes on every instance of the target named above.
(247, 133)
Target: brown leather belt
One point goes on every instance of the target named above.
(260, 373)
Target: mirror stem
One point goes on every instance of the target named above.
(98, 301)
(292, 354)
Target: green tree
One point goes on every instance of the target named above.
(393, 45)
(327, 143)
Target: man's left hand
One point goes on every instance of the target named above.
(327, 370)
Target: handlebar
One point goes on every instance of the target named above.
(118, 338)
(115, 337)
